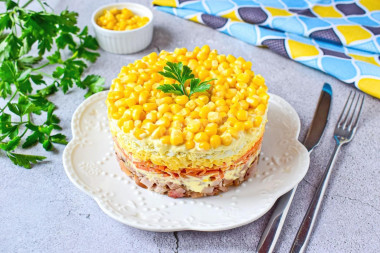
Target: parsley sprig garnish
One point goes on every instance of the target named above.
(181, 73)
(40, 53)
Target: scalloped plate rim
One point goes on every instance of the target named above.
(104, 208)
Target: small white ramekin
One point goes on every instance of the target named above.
(124, 42)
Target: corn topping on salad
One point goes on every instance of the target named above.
(188, 119)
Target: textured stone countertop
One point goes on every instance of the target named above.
(42, 211)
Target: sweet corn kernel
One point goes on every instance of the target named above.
(204, 123)
(191, 105)
(164, 121)
(204, 99)
(176, 138)
(114, 95)
(214, 117)
(165, 100)
(137, 123)
(244, 104)
(152, 116)
(260, 109)
(188, 135)
(201, 137)
(194, 126)
(239, 126)
(226, 139)
(204, 145)
(215, 141)
(190, 144)
(120, 122)
(252, 101)
(181, 100)
(220, 102)
(158, 132)
(230, 58)
(121, 102)
(222, 108)
(137, 113)
(211, 105)
(248, 125)
(165, 139)
(264, 98)
(175, 108)
(128, 126)
(131, 102)
(203, 113)
(211, 129)
(176, 124)
(184, 112)
(149, 127)
(242, 115)
(139, 133)
(178, 117)
(258, 120)
(149, 107)
(164, 108)
(194, 115)
(168, 115)
(234, 132)
(232, 120)
(143, 97)
(202, 56)
(247, 65)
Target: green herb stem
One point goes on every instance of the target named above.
(23, 133)
(27, 3)
(42, 5)
(9, 101)
(42, 66)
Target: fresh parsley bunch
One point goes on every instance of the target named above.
(181, 73)
(25, 83)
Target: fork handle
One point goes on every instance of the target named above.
(306, 228)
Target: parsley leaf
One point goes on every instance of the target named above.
(24, 160)
(170, 88)
(197, 86)
(39, 48)
(94, 84)
(181, 73)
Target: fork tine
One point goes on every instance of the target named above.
(354, 123)
(350, 112)
(343, 115)
(351, 115)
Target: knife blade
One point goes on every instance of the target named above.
(273, 229)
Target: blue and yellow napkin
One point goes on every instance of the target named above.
(340, 38)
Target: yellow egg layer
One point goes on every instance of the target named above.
(233, 108)
(120, 20)
(178, 157)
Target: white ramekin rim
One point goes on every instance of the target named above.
(126, 4)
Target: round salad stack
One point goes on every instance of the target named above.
(188, 123)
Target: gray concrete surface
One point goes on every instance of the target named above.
(42, 211)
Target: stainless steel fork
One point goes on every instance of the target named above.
(344, 132)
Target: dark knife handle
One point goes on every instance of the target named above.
(273, 229)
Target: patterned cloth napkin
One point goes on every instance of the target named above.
(340, 38)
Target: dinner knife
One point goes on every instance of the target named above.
(273, 229)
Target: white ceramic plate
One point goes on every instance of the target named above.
(90, 163)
